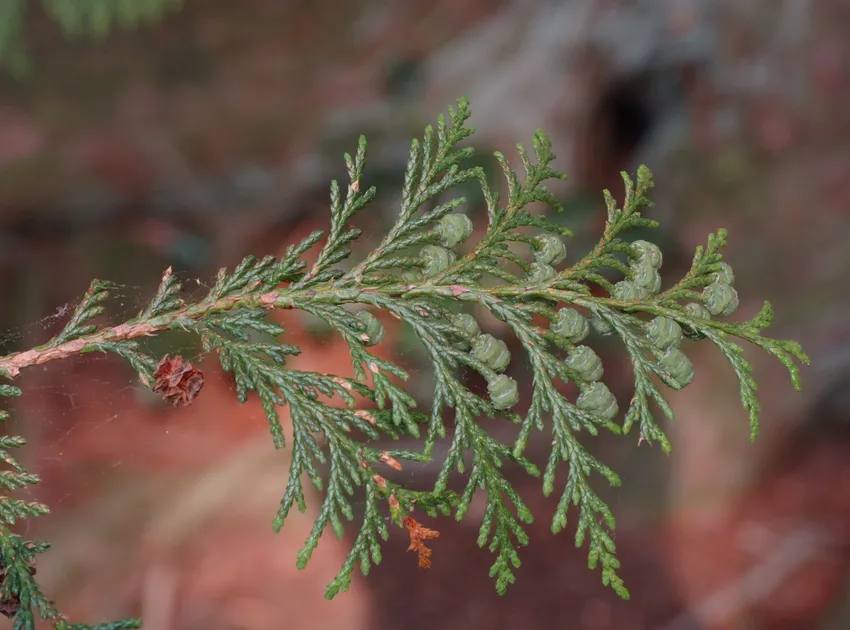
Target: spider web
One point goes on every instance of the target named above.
(90, 423)
(122, 471)
(103, 443)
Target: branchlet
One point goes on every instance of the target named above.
(428, 272)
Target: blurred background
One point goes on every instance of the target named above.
(212, 132)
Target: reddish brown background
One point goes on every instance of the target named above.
(214, 134)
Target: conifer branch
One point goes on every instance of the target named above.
(424, 274)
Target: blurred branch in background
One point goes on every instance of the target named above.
(90, 18)
(756, 586)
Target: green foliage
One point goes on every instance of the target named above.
(427, 273)
(77, 18)
(20, 595)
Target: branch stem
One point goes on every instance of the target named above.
(12, 364)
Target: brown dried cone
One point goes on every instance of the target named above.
(177, 381)
(10, 605)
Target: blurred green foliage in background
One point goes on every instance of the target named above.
(77, 18)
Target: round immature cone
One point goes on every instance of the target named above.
(597, 398)
(374, 330)
(655, 286)
(538, 272)
(454, 229)
(466, 325)
(650, 252)
(646, 276)
(436, 259)
(601, 325)
(586, 363)
(570, 325)
(724, 275)
(503, 391)
(491, 352)
(678, 366)
(696, 311)
(550, 249)
(664, 333)
(720, 299)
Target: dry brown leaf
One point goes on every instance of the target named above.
(418, 535)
